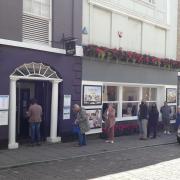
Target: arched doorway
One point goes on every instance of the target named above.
(36, 72)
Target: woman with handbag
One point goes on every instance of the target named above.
(81, 122)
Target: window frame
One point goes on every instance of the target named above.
(49, 19)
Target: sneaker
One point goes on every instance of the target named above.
(112, 142)
(168, 132)
(107, 141)
(165, 132)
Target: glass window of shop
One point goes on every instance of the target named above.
(131, 100)
(110, 95)
(149, 95)
(126, 100)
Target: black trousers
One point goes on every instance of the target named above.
(152, 128)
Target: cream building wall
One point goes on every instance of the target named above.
(147, 26)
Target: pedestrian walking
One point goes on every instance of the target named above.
(166, 111)
(153, 120)
(82, 122)
(35, 118)
(143, 120)
(109, 116)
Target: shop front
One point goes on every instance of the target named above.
(125, 85)
(52, 78)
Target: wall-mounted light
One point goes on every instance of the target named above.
(84, 30)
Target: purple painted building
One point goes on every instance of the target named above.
(34, 64)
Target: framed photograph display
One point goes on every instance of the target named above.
(171, 94)
(92, 95)
(94, 118)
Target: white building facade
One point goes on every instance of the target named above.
(143, 26)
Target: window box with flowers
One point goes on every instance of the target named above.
(129, 57)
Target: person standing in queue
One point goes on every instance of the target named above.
(166, 111)
(82, 122)
(143, 120)
(109, 116)
(153, 120)
(35, 118)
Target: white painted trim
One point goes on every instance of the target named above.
(31, 46)
(125, 84)
(37, 47)
(131, 14)
(50, 24)
(35, 78)
(94, 131)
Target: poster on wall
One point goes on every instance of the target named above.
(4, 102)
(173, 112)
(92, 95)
(3, 118)
(171, 94)
(67, 107)
(94, 118)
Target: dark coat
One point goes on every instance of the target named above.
(166, 111)
(153, 116)
(143, 111)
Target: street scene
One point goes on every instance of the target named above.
(127, 159)
(90, 89)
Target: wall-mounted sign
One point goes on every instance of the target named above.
(3, 118)
(4, 107)
(70, 46)
(67, 107)
(4, 102)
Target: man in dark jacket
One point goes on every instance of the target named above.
(143, 120)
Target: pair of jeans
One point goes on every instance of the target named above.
(35, 132)
(82, 138)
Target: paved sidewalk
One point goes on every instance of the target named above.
(53, 152)
(169, 170)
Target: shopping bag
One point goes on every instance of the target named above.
(76, 129)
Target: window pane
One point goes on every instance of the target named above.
(45, 8)
(105, 106)
(110, 93)
(153, 94)
(130, 94)
(27, 6)
(37, 7)
(129, 109)
(146, 94)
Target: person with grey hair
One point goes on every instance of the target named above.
(82, 122)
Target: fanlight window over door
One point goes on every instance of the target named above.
(37, 70)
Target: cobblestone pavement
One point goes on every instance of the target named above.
(61, 151)
(143, 163)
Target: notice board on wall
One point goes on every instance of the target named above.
(4, 109)
(67, 107)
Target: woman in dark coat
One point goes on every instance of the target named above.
(153, 120)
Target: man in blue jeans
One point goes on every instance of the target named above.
(34, 113)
